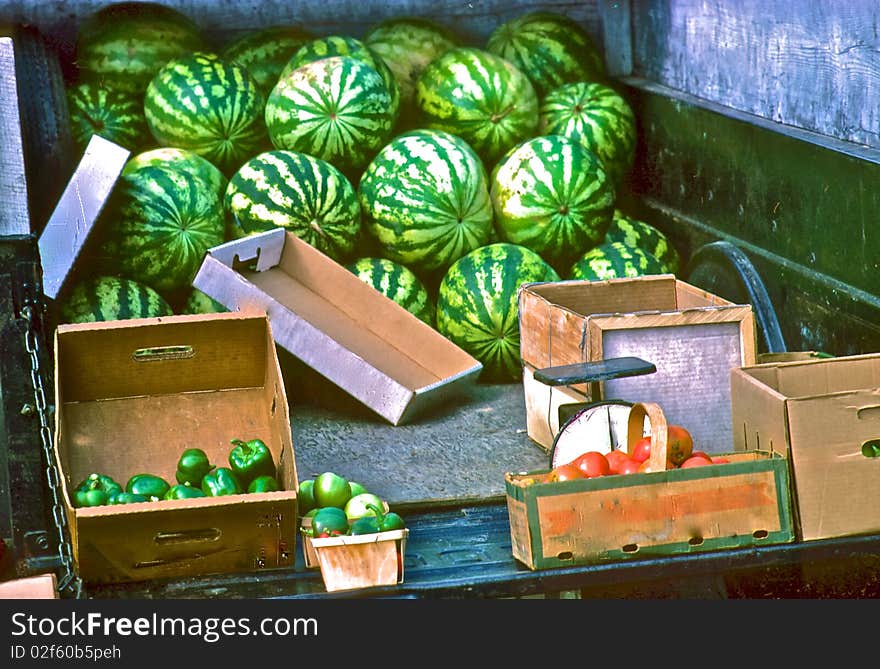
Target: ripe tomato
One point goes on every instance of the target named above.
(679, 445)
(641, 450)
(695, 461)
(592, 464)
(719, 460)
(566, 472)
(615, 459)
(646, 467)
(702, 454)
(628, 466)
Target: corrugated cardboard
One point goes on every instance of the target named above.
(693, 337)
(42, 586)
(365, 343)
(130, 396)
(819, 413)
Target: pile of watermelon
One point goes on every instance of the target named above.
(443, 173)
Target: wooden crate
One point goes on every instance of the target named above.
(360, 561)
(745, 502)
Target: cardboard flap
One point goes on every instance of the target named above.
(265, 248)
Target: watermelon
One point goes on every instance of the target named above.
(478, 305)
(480, 97)
(598, 117)
(615, 260)
(198, 302)
(183, 159)
(208, 105)
(109, 298)
(337, 109)
(158, 225)
(126, 43)
(397, 283)
(305, 195)
(265, 52)
(342, 45)
(407, 44)
(551, 49)
(639, 234)
(553, 196)
(425, 198)
(116, 115)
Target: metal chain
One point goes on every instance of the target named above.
(70, 580)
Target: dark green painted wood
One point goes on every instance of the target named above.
(801, 206)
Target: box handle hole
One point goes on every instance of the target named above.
(187, 536)
(157, 353)
(565, 555)
(871, 448)
(760, 534)
(695, 541)
(630, 548)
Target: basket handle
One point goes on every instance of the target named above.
(659, 434)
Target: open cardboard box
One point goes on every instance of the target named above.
(820, 414)
(694, 339)
(365, 343)
(130, 396)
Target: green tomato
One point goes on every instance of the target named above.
(358, 506)
(329, 521)
(331, 490)
(357, 488)
(305, 496)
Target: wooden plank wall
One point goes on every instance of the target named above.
(811, 65)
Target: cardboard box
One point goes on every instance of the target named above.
(42, 586)
(130, 396)
(818, 413)
(365, 343)
(745, 502)
(361, 561)
(693, 337)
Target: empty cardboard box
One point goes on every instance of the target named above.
(694, 339)
(130, 396)
(347, 331)
(824, 415)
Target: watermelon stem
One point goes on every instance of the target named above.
(314, 225)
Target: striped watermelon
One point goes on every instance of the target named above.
(109, 298)
(407, 44)
(337, 109)
(157, 226)
(478, 308)
(425, 198)
(598, 117)
(397, 283)
(480, 97)
(551, 49)
(117, 115)
(639, 234)
(305, 195)
(553, 196)
(342, 45)
(615, 260)
(210, 106)
(265, 52)
(126, 43)
(197, 302)
(183, 159)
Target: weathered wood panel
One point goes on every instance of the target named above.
(812, 65)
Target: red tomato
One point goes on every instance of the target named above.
(679, 445)
(615, 459)
(592, 464)
(695, 461)
(628, 466)
(720, 461)
(702, 454)
(646, 467)
(641, 450)
(565, 472)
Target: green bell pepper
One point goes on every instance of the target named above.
(147, 484)
(221, 481)
(183, 491)
(192, 466)
(365, 525)
(263, 484)
(250, 459)
(387, 521)
(95, 490)
(130, 498)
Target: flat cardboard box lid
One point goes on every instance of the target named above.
(365, 343)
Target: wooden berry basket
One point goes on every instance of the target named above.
(360, 561)
(744, 502)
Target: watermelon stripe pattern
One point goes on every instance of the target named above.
(158, 226)
(554, 197)
(598, 117)
(182, 159)
(264, 53)
(478, 308)
(397, 283)
(203, 103)
(425, 199)
(336, 109)
(305, 195)
(107, 298)
(551, 49)
(480, 97)
(115, 115)
(639, 234)
(615, 260)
